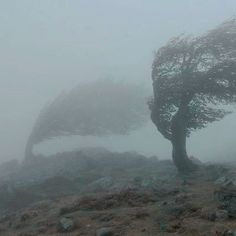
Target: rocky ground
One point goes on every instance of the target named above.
(96, 192)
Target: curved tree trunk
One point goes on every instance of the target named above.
(178, 140)
(29, 149)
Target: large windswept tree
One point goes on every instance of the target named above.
(98, 108)
(193, 78)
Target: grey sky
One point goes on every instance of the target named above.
(50, 45)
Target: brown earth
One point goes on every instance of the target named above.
(187, 207)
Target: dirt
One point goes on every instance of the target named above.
(187, 208)
(116, 194)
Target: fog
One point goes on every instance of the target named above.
(50, 46)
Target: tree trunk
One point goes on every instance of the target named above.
(179, 134)
(29, 149)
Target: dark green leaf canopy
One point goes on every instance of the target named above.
(197, 72)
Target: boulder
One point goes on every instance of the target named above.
(66, 224)
(227, 197)
(105, 232)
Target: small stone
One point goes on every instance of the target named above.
(214, 215)
(25, 217)
(221, 214)
(223, 181)
(230, 233)
(208, 214)
(104, 232)
(66, 224)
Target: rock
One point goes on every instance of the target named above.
(230, 233)
(24, 217)
(224, 181)
(227, 196)
(105, 232)
(66, 224)
(28, 215)
(221, 180)
(208, 214)
(227, 179)
(214, 215)
(216, 171)
(231, 207)
(221, 214)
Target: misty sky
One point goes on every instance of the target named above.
(50, 45)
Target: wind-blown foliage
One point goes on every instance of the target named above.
(99, 108)
(192, 79)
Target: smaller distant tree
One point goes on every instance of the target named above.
(98, 108)
(192, 79)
